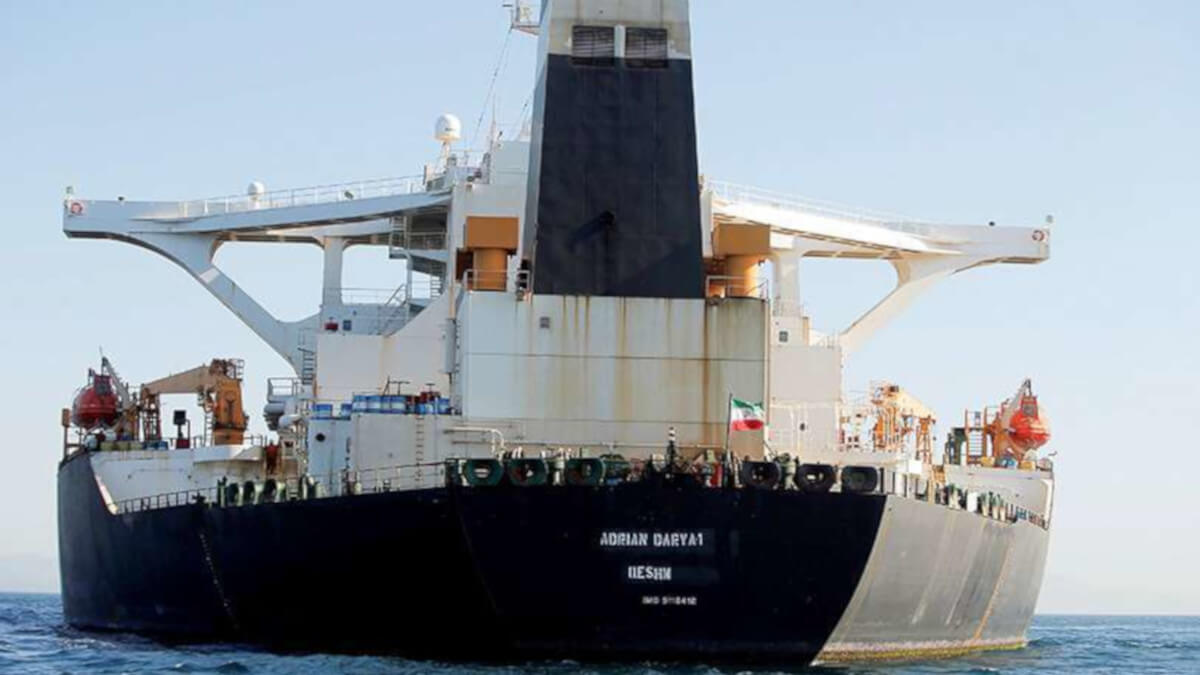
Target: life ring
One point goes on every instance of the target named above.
(1039, 235)
(76, 208)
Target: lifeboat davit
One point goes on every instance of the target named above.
(1024, 421)
(96, 405)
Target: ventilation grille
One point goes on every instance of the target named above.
(646, 47)
(593, 45)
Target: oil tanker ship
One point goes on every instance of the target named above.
(590, 420)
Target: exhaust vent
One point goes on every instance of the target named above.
(593, 45)
(646, 47)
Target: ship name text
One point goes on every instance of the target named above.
(621, 539)
(648, 573)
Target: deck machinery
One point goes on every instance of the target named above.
(529, 433)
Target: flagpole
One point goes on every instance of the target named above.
(728, 422)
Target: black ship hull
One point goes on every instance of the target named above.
(636, 571)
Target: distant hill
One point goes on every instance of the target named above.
(29, 573)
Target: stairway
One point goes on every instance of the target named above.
(421, 242)
(398, 238)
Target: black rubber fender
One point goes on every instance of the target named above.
(270, 491)
(525, 472)
(761, 475)
(860, 479)
(815, 478)
(585, 471)
(483, 472)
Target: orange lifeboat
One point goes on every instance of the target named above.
(96, 405)
(1027, 427)
(1020, 426)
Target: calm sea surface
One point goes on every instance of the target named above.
(33, 640)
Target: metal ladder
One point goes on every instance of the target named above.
(151, 425)
(975, 442)
(308, 365)
(208, 422)
(419, 449)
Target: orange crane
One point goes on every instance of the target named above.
(895, 412)
(218, 387)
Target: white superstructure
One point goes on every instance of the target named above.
(521, 372)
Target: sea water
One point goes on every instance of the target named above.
(34, 640)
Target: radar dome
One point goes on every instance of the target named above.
(448, 129)
(256, 189)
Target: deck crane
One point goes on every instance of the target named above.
(124, 398)
(218, 387)
(127, 420)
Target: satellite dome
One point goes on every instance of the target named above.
(448, 128)
(256, 189)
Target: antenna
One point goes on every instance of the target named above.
(446, 130)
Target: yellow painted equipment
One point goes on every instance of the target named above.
(218, 386)
(491, 240)
(743, 247)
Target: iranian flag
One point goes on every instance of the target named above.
(745, 416)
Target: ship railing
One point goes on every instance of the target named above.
(460, 168)
(513, 281)
(733, 192)
(421, 289)
(206, 440)
(423, 241)
(337, 484)
(831, 341)
(279, 388)
(170, 442)
(167, 500)
(725, 286)
(424, 475)
(304, 196)
(385, 479)
(992, 504)
(404, 477)
(985, 503)
(782, 307)
(372, 480)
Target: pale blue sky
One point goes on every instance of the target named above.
(962, 112)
